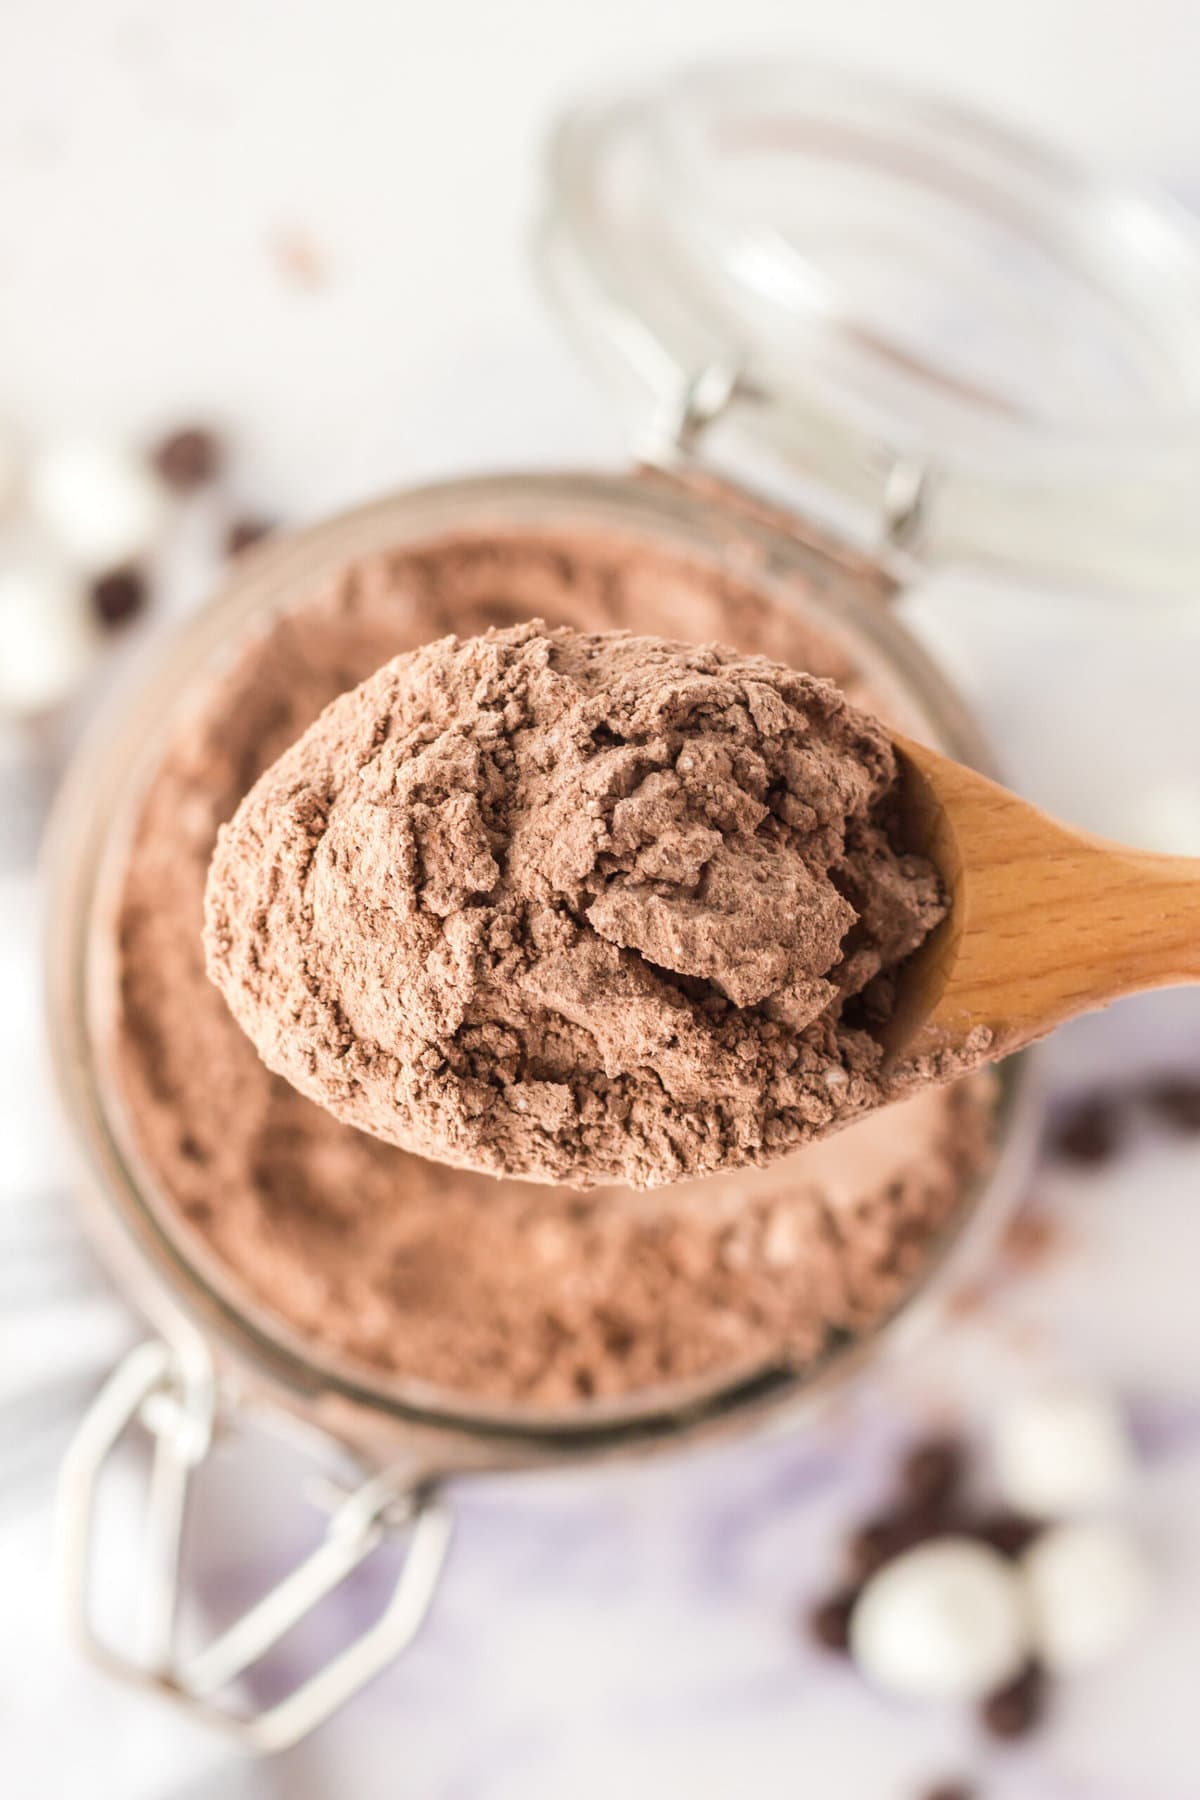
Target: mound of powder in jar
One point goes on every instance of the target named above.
(579, 907)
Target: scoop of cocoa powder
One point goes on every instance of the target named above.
(579, 907)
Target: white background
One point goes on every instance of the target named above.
(151, 153)
(154, 158)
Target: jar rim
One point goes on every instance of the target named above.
(169, 1278)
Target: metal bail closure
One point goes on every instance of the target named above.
(175, 1400)
(677, 423)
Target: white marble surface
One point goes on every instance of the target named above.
(632, 1633)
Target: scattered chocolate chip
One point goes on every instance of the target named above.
(950, 1790)
(1090, 1132)
(830, 1622)
(881, 1539)
(1008, 1532)
(189, 458)
(932, 1471)
(869, 1547)
(244, 532)
(1015, 1710)
(118, 596)
(1176, 1102)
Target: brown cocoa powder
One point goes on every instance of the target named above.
(574, 907)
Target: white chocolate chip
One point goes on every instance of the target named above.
(946, 1621)
(102, 502)
(47, 638)
(1089, 1588)
(1062, 1450)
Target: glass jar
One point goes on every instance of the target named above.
(218, 1355)
(676, 247)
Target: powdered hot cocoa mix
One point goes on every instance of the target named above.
(502, 1290)
(579, 907)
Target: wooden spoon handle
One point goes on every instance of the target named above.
(1046, 922)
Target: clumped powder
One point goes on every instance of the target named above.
(580, 907)
(500, 1290)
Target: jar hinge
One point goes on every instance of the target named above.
(174, 1397)
(672, 440)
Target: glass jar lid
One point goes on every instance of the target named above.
(972, 351)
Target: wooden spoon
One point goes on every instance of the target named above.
(1045, 922)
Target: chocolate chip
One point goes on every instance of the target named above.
(879, 1540)
(829, 1623)
(1008, 1532)
(118, 596)
(1176, 1102)
(244, 532)
(1016, 1710)
(869, 1547)
(1090, 1132)
(189, 458)
(932, 1471)
(950, 1790)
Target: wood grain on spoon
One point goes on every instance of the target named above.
(1045, 922)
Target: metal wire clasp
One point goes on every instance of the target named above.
(698, 400)
(175, 1400)
(672, 438)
